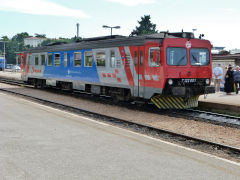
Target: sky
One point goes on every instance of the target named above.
(218, 20)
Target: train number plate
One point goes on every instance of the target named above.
(189, 80)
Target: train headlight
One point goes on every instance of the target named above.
(170, 82)
(207, 81)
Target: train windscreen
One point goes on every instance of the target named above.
(176, 56)
(199, 57)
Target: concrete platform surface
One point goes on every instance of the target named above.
(38, 142)
(223, 98)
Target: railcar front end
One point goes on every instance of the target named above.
(187, 71)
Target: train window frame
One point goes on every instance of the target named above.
(65, 59)
(49, 60)
(142, 57)
(207, 57)
(36, 60)
(76, 60)
(100, 58)
(135, 57)
(186, 56)
(112, 58)
(151, 63)
(88, 54)
(43, 62)
(30, 61)
(57, 61)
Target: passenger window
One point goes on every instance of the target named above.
(112, 59)
(36, 60)
(30, 59)
(77, 59)
(141, 58)
(100, 59)
(43, 59)
(65, 59)
(57, 59)
(135, 58)
(154, 57)
(88, 59)
(49, 60)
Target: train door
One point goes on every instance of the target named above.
(139, 69)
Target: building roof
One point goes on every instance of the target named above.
(228, 56)
(34, 38)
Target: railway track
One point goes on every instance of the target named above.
(210, 117)
(192, 142)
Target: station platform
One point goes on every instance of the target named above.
(221, 101)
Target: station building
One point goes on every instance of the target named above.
(33, 41)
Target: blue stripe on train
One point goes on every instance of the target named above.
(82, 73)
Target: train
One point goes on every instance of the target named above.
(168, 69)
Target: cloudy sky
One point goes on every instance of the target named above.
(219, 20)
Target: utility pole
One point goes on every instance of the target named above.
(4, 53)
(77, 30)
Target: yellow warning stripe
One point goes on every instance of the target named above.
(172, 102)
(178, 104)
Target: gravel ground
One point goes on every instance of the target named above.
(10, 75)
(224, 135)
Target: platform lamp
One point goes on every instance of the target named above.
(115, 27)
(193, 30)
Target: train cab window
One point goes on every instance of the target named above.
(141, 58)
(112, 59)
(101, 59)
(49, 60)
(65, 59)
(43, 59)
(199, 57)
(154, 57)
(77, 59)
(176, 56)
(57, 59)
(88, 57)
(36, 60)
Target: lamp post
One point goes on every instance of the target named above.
(193, 30)
(115, 27)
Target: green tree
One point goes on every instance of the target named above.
(145, 27)
(20, 37)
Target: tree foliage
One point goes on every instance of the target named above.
(145, 27)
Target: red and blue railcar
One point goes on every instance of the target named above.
(170, 69)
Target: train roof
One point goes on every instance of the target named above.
(109, 41)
